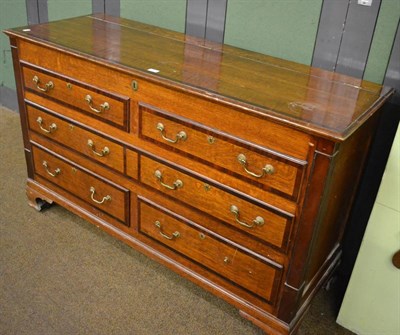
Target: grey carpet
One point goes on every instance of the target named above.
(62, 275)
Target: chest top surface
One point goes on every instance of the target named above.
(312, 99)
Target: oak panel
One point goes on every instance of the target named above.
(100, 104)
(218, 202)
(77, 138)
(80, 182)
(227, 260)
(272, 170)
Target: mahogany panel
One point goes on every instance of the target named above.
(335, 207)
(22, 111)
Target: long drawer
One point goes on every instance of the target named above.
(266, 169)
(267, 224)
(106, 196)
(259, 276)
(106, 106)
(77, 138)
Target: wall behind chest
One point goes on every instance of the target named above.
(12, 13)
(284, 29)
(166, 14)
(61, 9)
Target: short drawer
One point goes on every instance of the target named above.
(269, 170)
(257, 275)
(106, 196)
(268, 224)
(77, 138)
(106, 106)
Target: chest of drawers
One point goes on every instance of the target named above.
(235, 169)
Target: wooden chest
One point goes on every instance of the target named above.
(235, 169)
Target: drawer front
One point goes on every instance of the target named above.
(98, 103)
(268, 170)
(266, 224)
(251, 273)
(105, 196)
(85, 142)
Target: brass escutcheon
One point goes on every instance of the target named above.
(207, 187)
(135, 85)
(211, 139)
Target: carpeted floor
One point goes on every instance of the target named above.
(62, 275)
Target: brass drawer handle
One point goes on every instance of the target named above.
(93, 191)
(267, 169)
(258, 221)
(103, 107)
(105, 151)
(177, 183)
(56, 171)
(52, 127)
(48, 86)
(174, 235)
(181, 136)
